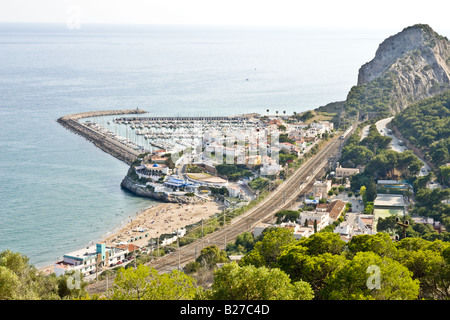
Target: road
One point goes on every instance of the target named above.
(395, 144)
(282, 198)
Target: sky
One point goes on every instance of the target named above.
(313, 13)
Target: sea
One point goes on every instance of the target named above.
(58, 192)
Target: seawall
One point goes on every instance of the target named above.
(105, 143)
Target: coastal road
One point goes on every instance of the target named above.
(395, 144)
(282, 198)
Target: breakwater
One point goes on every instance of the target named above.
(105, 143)
(218, 118)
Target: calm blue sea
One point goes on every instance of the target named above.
(57, 191)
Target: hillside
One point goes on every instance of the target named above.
(410, 66)
(426, 125)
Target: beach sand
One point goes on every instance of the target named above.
(160, 219)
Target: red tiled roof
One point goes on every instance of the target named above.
(335, 208)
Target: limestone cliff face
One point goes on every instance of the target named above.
(417, 59)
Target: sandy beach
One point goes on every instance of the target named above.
(154, 221)
(160, 219)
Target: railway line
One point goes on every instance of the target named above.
(282, 198)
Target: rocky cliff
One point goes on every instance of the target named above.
(128, 184)
(414, 64)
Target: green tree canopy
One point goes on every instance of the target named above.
(266, 251)
(234, 282)
(145, 283)
(367, 276)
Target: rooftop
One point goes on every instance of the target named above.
(335, 208)
(389, 200)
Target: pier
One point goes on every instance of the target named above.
(102, 141)
(146, 119)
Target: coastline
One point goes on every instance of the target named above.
(158, 219)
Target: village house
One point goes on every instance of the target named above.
(345, 172)
(321, 188)
(335, 209)
(307, 218)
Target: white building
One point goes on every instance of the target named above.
(234, 191)
(345, 172)
(86, 260)
(321, 188)
(322, 218)
(298, 230)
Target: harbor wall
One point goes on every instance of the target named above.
(106, 144)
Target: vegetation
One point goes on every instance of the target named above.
(426, 125)
(234, 282)
(336, 270)
(21, 281)
(287, 215)
(207, 259)
(145, 283)
(243, 244)
(378, 161)
(375, 96)
(276, 266)
(259, 183)
(359, 153)
(233, 172)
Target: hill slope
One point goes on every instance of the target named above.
(410, 66)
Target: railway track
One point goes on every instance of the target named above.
(282, 198)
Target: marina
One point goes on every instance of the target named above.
(172, 134)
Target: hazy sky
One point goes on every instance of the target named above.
(345, 13)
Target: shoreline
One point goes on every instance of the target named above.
(157, 219)
(162, 218)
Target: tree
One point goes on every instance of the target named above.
(430, 268)
(299, 265)
(362, 192)
(387, 225)
(287, 215)
(320, 243)
(145, 283)
(429, 262)
(267, 250)
(211, 255)
(245, 240)
(20, 280)
(368, 276)
(379, 243)
(233, 282)
(371, 192)
(9, 282)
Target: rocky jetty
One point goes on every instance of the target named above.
(115, 149)
(417, 63)
(130, 185)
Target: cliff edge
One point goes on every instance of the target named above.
(409, 66)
